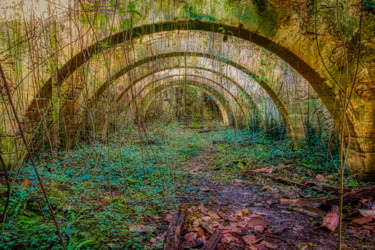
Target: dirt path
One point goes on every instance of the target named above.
(284, 227)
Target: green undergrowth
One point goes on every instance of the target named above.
(297, 161)
(112, 194)
(100, 191)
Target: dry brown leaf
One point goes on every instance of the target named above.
(187, 244)
(269, 245)
(242, 224)
(331, 221)
(200, 231)
(225, 217)
(262, 170)
(320, 178)
(298, 228)
(268, 188)
(256, 220)
(291, 202)
(26, 183)
(156, 217)
(213, 214)
(368, 227)
(167, 218)
(141, 228)
(229, 238)
(259, 229)
(261, 247)
(367, 212)
(310, 183)
(260, 213)
(206, 218)
(250, 239)
(190, 236)
(203, 209)
(363, 220)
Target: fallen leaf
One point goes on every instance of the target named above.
(200, 231)
(260, 213)
(262, 170)
(367, 212)
(213, 214)
(314, 210)
(250, 239)
(206, 218)
(238, 181)
(224, 216)
(368, 227)
(259, 229)
(331, 221)
(187, 244)
(291, 202)
(363, 220)
(320, 178)
(203, 209)
(310, 183)
(153, 240)
(261, 247)
(268, 188)
(26, 183)
(228, 239)
(190, 236)
(200, 241)
(305, 245)
(269, 245)
(167, 218)
(298, 228)
(156, 217)
(257, 220)
(141, 228)
(221, 246)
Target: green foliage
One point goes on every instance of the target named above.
(98, 191)
(369, 5)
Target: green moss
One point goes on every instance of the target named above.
(193, 14)
(254, 14)
(7, 147)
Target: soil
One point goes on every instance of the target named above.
(286, 228)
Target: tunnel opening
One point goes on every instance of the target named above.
(186, 105)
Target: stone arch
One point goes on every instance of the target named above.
(205, 82)
(263, 84)
(287, 49)
(220, 101)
